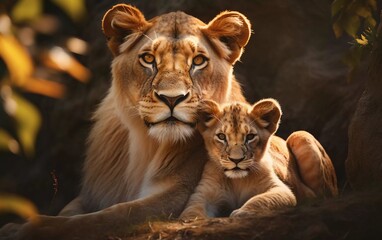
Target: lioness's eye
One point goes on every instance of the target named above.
(250, 137)
(221, 136)
(148, 58)
(199, 60)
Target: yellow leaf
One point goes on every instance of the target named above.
(26, 10)
(28, 122)
(58, 59)
(362, 40)
(7, 142)
(17, 59)
(18, 205)
(74, 8)
(45, 87)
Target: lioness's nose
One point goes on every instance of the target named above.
(236, 160)
(171, 101)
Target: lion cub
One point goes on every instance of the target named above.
(239, 178)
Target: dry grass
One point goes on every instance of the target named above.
(356, 216)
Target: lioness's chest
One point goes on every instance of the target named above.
(145, 173)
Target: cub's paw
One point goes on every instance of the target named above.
(244, 213)
(240, 213)
(191, 217)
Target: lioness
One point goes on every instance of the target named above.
(239, 179)
(144, 157)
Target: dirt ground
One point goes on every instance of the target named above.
(354, 216)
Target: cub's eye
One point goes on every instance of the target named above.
(147, 58)
(250, 137)
(221, 136)
(199, 60)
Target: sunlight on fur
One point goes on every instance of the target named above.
(171, 132)
(236, 173)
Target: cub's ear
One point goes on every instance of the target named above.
(120, 21)
(267, 114)
(231, 32)
(208, 110)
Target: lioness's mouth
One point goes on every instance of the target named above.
(169, 121)
(236, 169)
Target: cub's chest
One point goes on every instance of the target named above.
(241, 190)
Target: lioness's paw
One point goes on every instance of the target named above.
(45, 228)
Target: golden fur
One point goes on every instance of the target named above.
(239, 179)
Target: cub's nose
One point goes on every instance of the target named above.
(236, 160)
(172, 101)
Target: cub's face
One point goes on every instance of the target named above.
(163, 67)
(237, 135)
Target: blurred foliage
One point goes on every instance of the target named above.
(356, 18)
(29, 10)
(18, 205)
(30, 67)
(27, 122)
(351, 15)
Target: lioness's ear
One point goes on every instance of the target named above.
(232, 29)
(120, 21)
(208, 111)
(267, 113)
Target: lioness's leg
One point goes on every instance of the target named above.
(314, 165)
(21, 231)
(113, 222)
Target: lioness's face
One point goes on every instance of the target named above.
(163, 69)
